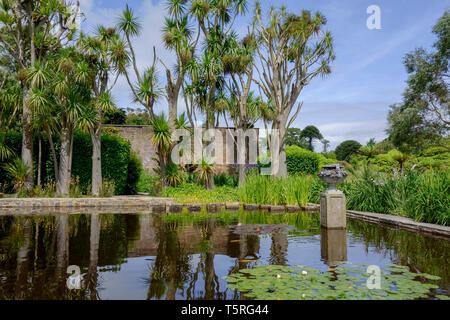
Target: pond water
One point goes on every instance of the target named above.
(145, 256)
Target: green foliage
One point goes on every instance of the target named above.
(116, 158)
(134, 173)
(149, 183)
(274, 282)
(116, 116)
(310, 133)
(194, 193)
(422, 118)
(301, 161)
(18, 171)
(226, 180)
(294, 138)
(422, 196)
(174, 176)
(292, 190)
(346, 149)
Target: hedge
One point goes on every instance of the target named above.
(302, 161)
(119, 164)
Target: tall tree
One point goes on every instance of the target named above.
(146, 91)
(294, 138)
(28, 31)
(69, 96)
(177, 37)
(346, 149)
(108, 57)
(423, 117)
(238, 65)
(293, 50)
(311, 133)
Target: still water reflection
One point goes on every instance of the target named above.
(144, 256)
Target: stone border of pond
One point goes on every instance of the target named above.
(400, 222)
(82, 205)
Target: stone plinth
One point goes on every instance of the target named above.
(333, 209)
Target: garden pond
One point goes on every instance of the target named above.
(226, 256)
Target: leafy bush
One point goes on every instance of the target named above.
(149, 183)
(134, 172)
(226, 180)
(115, 160)
(301, 161)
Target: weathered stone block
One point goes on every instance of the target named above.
(276, 209)
(176, 208)
(293, 209)
(333, 209)
(251, 207)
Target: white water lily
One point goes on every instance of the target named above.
(304, 272)
(278, 276)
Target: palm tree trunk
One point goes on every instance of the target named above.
(63, 181)
(27, 138)
(52, 147)
(39, 161)
(96, 160)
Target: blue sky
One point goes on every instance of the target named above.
(367, 75)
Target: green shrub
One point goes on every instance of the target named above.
(115, 160)
(226, 180)
(149, 183)
(302, 161)
(134, 172)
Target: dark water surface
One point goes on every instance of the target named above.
(145, 256)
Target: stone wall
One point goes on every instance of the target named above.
(140, 139)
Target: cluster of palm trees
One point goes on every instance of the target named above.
(60, 79)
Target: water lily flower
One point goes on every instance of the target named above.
(278, 276)
(304, 272)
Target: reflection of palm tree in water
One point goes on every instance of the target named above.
(94, 242)
(205, 266)
(23, 261)
(62, 252)
(171, 263)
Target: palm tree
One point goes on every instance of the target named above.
(369, 152)
(400, 157)
(64, 85)
(18, 171)
(10, 105)
(163, 141)
(146, 91)
(108, 56)
(205, 171)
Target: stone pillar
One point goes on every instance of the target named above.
(332, 201)
(333, 209)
